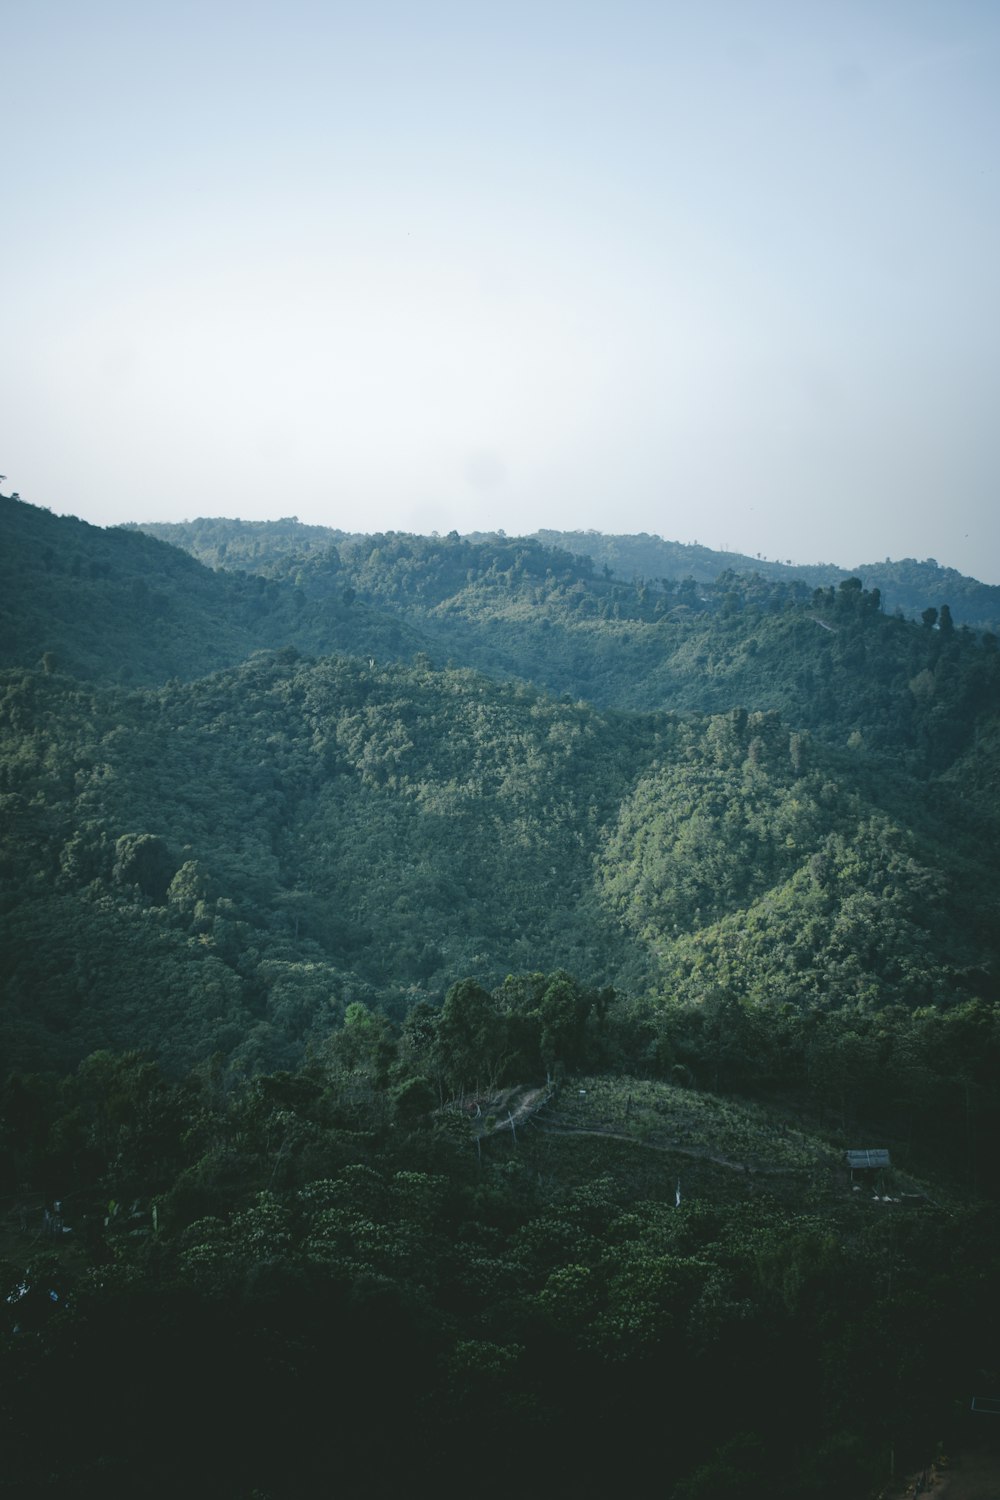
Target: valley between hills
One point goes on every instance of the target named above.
(442, 979)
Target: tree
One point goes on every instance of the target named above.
(364, 1048)
(413, 1101)
(143, 860)
(562, 1012)
(471, 1037)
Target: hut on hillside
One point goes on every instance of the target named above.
(871, 1164)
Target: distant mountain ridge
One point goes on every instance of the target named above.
(120, 606)
(907, 585)
(117, 604)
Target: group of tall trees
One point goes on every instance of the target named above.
(324, 1278)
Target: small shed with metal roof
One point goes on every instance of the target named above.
(870, 1159)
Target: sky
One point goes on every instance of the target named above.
(724, 271)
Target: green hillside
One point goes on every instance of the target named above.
(440, 982)
(280, 1275)
(906, 585)
(116, 605)
(827, 658)
(291, 827)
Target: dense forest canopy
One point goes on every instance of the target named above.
(391, 923)
(907, 585)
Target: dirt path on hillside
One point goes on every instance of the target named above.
(700, 1153)
(515, 1108)
(621, 1135)
(523, 1107)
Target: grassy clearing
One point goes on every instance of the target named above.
(665, 1115)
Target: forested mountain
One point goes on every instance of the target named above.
(293, 833)
(387, 932)
(827, 659)
(905, 586)
(116, 605)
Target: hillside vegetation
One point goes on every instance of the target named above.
(118, 606)
(441, 979)
(907, 585)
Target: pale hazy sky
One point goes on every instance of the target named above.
(723, 271)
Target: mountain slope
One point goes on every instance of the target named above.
(507, 952)
(905, 585)
(296, 834)
(827, 659)
(117, 605)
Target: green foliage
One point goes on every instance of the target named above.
(117, 605)
(905, 585)
(391, 1281)
(143, 860)
(329, 832)
(289, 943)
(829, 660)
